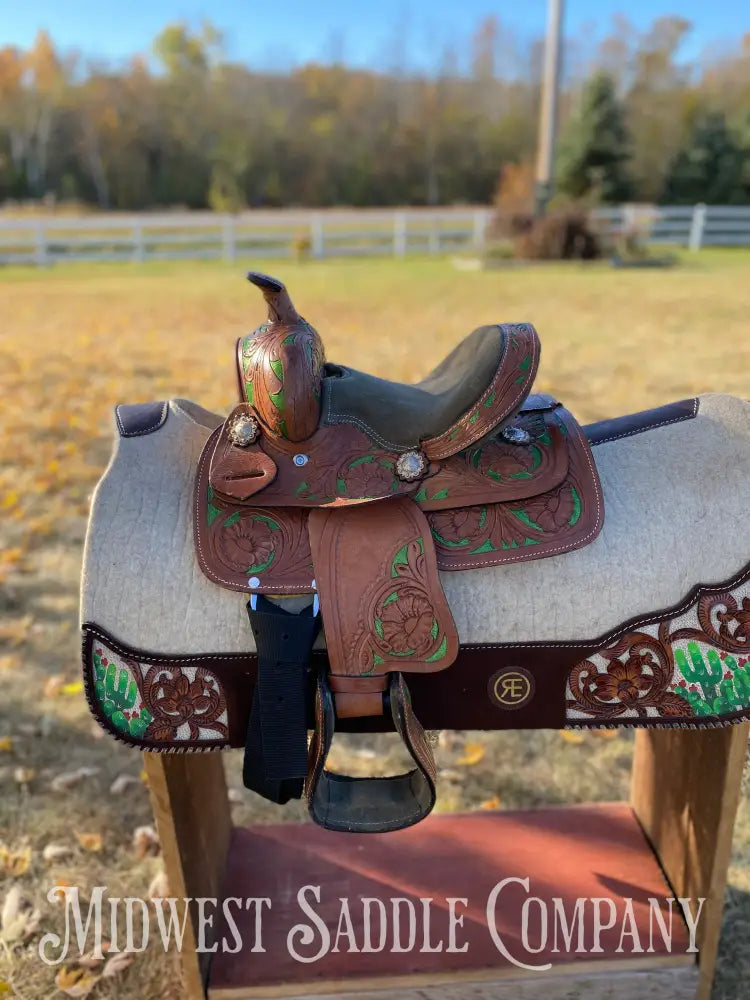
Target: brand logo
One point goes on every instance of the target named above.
(511, 688)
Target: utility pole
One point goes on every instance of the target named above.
(545, 159)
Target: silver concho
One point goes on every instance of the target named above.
(516, 435)
(243, 430)
(411, 465)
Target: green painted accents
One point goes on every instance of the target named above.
(712, 683)
(117, 693)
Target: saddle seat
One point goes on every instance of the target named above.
(403, 414)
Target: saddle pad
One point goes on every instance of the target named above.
(648, 624)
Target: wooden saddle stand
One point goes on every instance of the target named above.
(389, 513)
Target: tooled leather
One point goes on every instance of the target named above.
(342, 466)
(502, 397)
(451, 698)
(495, 471)
(279, 369)
(235, 542)
(380, 594)
(233, 538)
(562, 519)
(412, 733)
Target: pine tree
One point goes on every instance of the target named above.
(595, 148)
(711, 167)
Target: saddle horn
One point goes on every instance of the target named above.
(280, 306)
(279, 365)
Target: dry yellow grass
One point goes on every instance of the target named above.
(77, 339)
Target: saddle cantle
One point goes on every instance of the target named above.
(328, 481)
(331, 496)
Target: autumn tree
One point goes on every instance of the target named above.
(710, 168)
(595, 148)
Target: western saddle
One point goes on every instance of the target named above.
(357, 491)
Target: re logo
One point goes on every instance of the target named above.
(511, 688)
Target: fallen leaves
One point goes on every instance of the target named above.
(19, 919)
(92, 842)
(53, 685)
(10, 662)
(492, 803)
(6, 990)
(76, 980)
(24, 775)
(146, 841)
(16, 632)
(57, 685)
(122, 782)
(12, 556)
(68, 779)
(159, 887)
(473, 754)
(79, 979)
(6, 744)
(14, 863)
(117, 964)
(56, 852)
(572, 736)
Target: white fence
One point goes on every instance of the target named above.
(207, 236)
(691, 226)
(332, 233)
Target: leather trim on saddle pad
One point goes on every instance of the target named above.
(687, 666)
(645, 420)
(137, 419)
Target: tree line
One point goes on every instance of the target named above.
(186, 126)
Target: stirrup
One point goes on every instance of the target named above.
(370, 805)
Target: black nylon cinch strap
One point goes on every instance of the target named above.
(275, 763)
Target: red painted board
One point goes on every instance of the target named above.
(570, 853)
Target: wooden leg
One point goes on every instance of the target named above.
(189, 799)
(685, 791)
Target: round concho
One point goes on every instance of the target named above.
(243, 430)
(410, 466)
(511, 688)
(516, 435)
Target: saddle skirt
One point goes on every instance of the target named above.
(452, 536)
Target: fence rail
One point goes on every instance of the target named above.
(333, 233)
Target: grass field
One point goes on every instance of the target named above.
(75, 340)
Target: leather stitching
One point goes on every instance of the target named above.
(497, 419)
(579, 543)
(289, 588)
(650, 427)
(606, 638)
(344, 418)
(146, 430)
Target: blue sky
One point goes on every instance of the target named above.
(284, 32)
